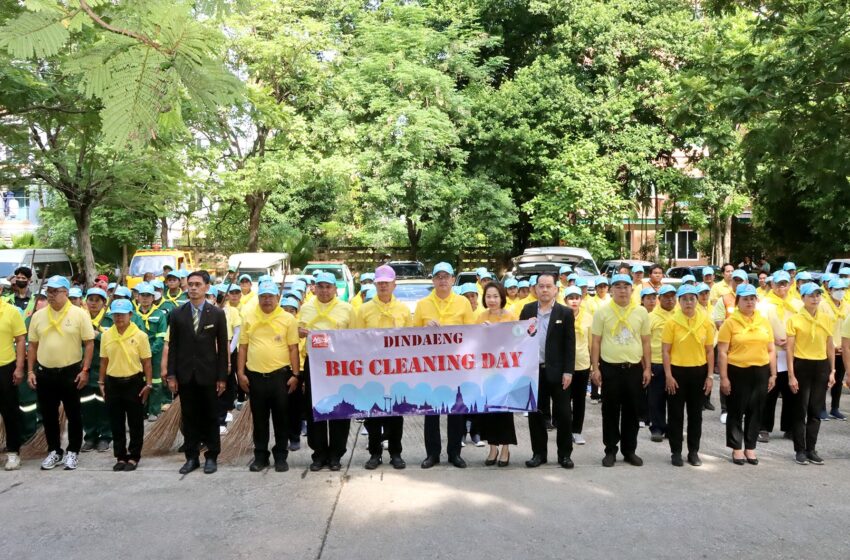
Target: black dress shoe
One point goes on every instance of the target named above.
(130, 466)
(633, 460)
(695, 461)
(317, 465)
(708, 406)
(430, 461)
(566, 463)
(280, 465)
(458, 461)
(657, 437)
(373, 462)
(258, 465)
(334, 464)
(189, 466)
(753, 461)
(737, 461)
(397, 462)
(676, 460)
(210, 465)
(609, 460)
(535, 461)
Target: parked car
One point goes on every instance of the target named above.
(53, 262)
(340, 270)
(411, 291)
(152, 259)
(255, 265)
(676, 273)
(609, 268)
(408, 269)
(535, 260)
(837, 264)
(466, 277)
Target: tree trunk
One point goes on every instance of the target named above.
(413, 236)
(82, 216)
(163, 233)
(255, 203)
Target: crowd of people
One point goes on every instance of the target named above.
(113, 358)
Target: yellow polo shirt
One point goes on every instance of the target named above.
(845, 329)
(60, 336)
(748, 339)
(718, 290)
(621, 330)
(810, 334)
(454, 310)
(583, 325)
(11, 326)
(124, 352)
(688, 338)
(376, 314)
(318, 316)
(486, 317)
(657, 319)
(837, 314)
(268, 337)
(234, 319)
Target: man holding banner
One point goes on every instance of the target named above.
(443, 307)
(384, 312)
(325, 312)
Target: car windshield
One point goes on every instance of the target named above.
(336, 270)
(254, 273)
(8, 268)
(151, 263)
(412, 292)
(408, 269)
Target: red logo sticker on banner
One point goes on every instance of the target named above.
(319, 341)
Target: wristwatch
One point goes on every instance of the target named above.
(149, 385)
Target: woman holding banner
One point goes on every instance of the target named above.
(497, 427)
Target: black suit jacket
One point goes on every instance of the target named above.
(560, 340)
(201, 357)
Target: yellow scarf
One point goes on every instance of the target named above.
(814, 323)
(840, 311)
(384, 309)
(681, 319)
(166, 296)
(57, 323)
(123, 338)
(752, 324)
(96, 321)
(324, 313)
(442, 306)
(624, 318)
(782, 305)
(261, 318)
(146, 316)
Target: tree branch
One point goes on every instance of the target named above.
(126, 32)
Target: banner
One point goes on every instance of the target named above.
(417, 371)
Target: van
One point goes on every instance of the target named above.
(837, 264)
(153, 259)
(341, 272)
(52, 262)
(255, 265)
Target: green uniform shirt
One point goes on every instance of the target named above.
(154, 326)
(168, 304)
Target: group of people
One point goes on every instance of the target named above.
(113, 357)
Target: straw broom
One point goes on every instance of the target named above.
(161, 438)
(2, 434)
(238, 441)
(36, 447)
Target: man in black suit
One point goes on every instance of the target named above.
(197, 367)
(555, 328)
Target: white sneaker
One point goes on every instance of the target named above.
(385, 444)
(578, 439)
(51, 461)
(13, 462)
(228, 418)
(525, 415)
(722, 417)
(364, 431)
(642, 424)
(222, 430)
(70, 461)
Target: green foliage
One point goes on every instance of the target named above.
(24, 241)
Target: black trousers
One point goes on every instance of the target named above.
(746, 405)
(578, 399)
(269, 398)
(769, 414)
(9, 408)
(296, 412)
(622, 394)
(689, 396)
(810, 400)
(327, 439)
(835, 392)
(385, 427)
(126, 410)
(456, 427)
(563, 418)
(55, 386)
(200, 419)
(225, 400)
(658, 400)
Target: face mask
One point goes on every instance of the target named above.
(157, 296)
(838, 295)
(22, 283)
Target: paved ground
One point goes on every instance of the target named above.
(775, 510)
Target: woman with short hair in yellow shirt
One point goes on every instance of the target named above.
(747, 372)
(578, 388)
(687, 347)
(811, 371)
(497, 427)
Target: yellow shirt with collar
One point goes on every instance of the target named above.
(748, 339)
(621, 343)
(810, 334)
(845, 329)
(583, 325)
(376, 314)
(657, 319)
(453, 310)
(318, 316)
(718, 290)
(268, 337)
(234, 319)
(837, 313)
(11, 326)
(60, 349)
(688, 338)
(125, 353)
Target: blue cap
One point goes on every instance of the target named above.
(244, 277)
(97, 292)
(121, 306)
(145, 288)
(845, 271)
(685, 291)
(647, 292)
(565, 269)
(621, 278)
(602, 280)
(809, 289)
(211, 291)
(481, 271)
(746, 290)
(638, 268)
(486, 275)
(367, 276)
(532, 281)
(468, 288)
(572, 291)
(123, 291)
(317, 272)
(174, 274)
(741, 275)
(572, 276)
(75, 293)
(456, 289)
(265, 278)
(111, 286)
(443, 267)
(837, 284)
(781, 276)
(789, 266)
(581, 282)
(706, 271)
(804, 276)
(290, 302)
(827, 277)
(369, 293)
(267, 288)
(183, 273)
(702, 287)
(689, 278)
(58, 282)
(157, 284)
(233, 288)
(299, 286)
(523, 284)
(667, 289)
(308, 279)
(326, 278)
(511, 283)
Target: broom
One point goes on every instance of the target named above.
(238, 440)
(36, 447)
(161, 438)
(2, 434)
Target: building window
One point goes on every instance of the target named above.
(681, 244)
